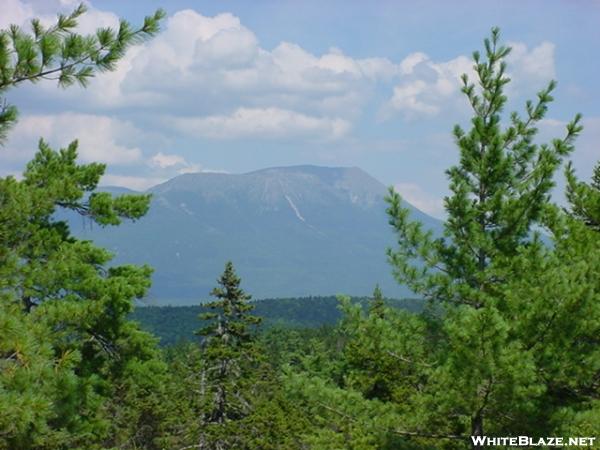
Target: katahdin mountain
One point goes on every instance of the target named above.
(290, 231)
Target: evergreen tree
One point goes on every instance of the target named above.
(570, 286)
(491, 355)
(79, 306)
(74, 372)
(500, 191)
(272, 422)
(377, 303)
(230, 359)
(585, 198)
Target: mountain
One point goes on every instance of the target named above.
(290, 231)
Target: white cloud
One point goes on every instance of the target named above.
(531, 69)
(409, 98)
(101, 138)
(94, 19)
(427, 87)
(169, 162)
(421, 199)
(215, 79)
(15, 12)
(215, 64)
(193, 168)
(265, 123)
(409, 63)
(163, 161)
(203, 65)
(131, 182)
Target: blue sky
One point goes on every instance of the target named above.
(237, 86)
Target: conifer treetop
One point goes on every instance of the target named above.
(230, 315)
(377, 303)
(500, 190)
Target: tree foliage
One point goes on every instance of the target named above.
(73, 303)
(230, 395)
(507, 345)
(75, 372)
(584, 198)
(500, 194)
(228, 352)
(491, 355)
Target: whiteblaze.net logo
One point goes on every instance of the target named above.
(527, 441)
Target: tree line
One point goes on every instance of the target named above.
(506, 343)
(176, 324)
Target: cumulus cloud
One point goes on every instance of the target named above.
(531, 68)
(101, 138)
(214, 64)
(15, 12)
(163, 161)
(266, 123)
(207, 65)
(410, 98)
(427, 87)
(216, 80)
(169, 162)
(131, 182)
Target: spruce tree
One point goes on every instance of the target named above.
(377, 303)
(230, 359)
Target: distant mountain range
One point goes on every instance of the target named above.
(290, 231)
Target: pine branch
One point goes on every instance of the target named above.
(396, 431)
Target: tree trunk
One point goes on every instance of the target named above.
(476, 430)
(28, 304)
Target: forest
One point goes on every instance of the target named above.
(501, 339)
(174, 324)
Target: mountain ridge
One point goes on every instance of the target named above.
(290, 231)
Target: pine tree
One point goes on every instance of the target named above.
(585, 198)
(79, 306)
(500, 350)
(230, 359)
(570, 286)
(74, 371)
(500, 191)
